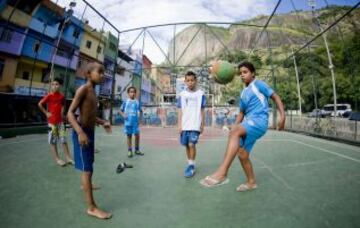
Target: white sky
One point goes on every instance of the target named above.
(127, 14)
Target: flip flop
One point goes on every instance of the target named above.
(70, 162)
(120, 168)
(126, 165)
(245, 188)
(60, 163)
(96, 216)
(210, 182)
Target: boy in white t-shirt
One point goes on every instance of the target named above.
(191, 119)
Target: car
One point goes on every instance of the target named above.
(316, 113)
(347, 114)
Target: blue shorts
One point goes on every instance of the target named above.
(189, 137)
(131, 130)
(255, 129)
(84, 155)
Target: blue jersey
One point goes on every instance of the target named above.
(131, 108)
(254, 100)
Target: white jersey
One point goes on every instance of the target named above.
(191, 103)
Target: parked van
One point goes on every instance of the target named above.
(329, 110)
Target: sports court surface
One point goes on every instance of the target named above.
(303, 182)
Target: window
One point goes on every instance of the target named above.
(23, 5)
(120, 70)
(25, 75)
(2, 64)
(79, 64)
(45, 75)
(63, 77)
(99, 49)
(76, 33)
(88, 44)
(36, 47)
(5, 35)
(66, 53)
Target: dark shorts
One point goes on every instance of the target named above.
(84, 155)
(189, 137)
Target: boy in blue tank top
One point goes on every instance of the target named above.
(130, 111)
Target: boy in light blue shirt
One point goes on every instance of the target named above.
(251, 124)
(130, 111)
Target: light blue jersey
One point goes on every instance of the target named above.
(131, 108)
(254, 100)
(254, 103)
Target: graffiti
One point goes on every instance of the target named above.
(167, 116)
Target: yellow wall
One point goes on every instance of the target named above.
(95, 38)
(21, 82)
(26, 65)
(8, 75)
(19, 18)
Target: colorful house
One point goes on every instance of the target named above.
(93, 43)
(123, 76)
(110, 56)
(91, 50)
(145, 81)
(13, 22)
(11, 41)
(66, 58)
(34, 66)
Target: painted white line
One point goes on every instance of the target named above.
(324, 141)
(304, 163)
(326, 151)
(274, 174)
(312, 146)
(22, 141)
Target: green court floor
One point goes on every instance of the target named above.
(303, 182)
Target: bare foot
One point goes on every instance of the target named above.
(92, 186)
(98, 213)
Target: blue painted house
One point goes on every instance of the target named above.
(11, 41)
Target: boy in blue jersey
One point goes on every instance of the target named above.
(251, 124)
(191, 119)
(130, 111)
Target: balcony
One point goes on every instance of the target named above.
(62, 59)
(12, 41)
(18, 17)
(39, 26)
(37, 88)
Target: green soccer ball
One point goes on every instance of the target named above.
(222, 71)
